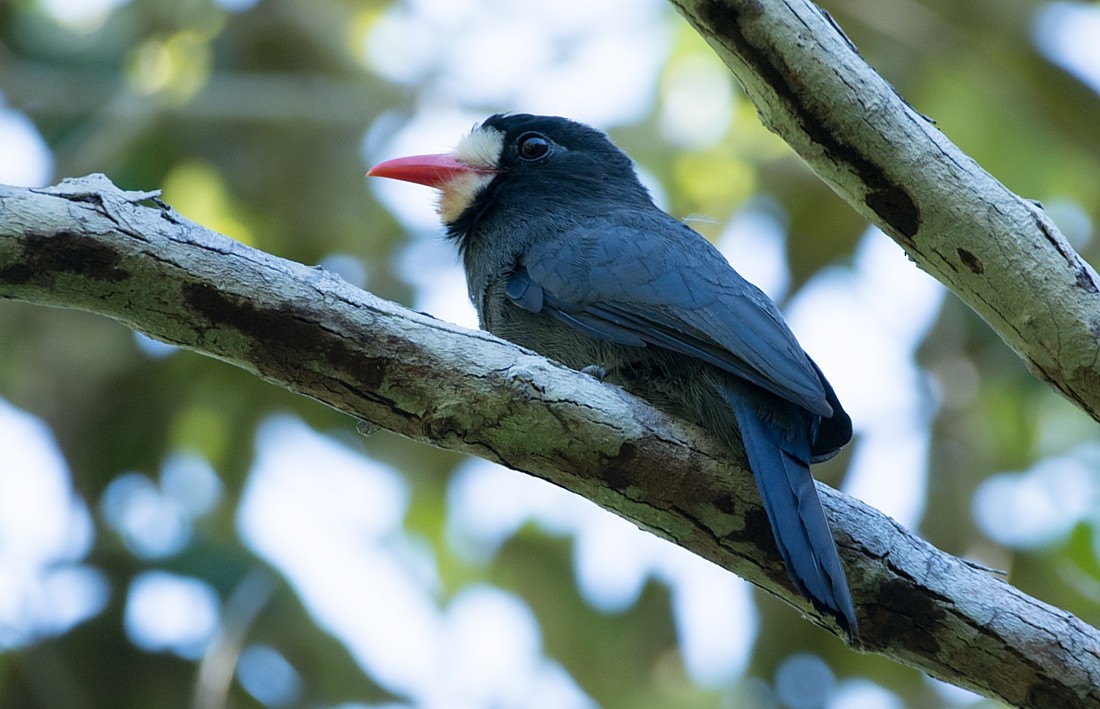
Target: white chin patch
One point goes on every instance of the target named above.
(480, 149)
(459, 193)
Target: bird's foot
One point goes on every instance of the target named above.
(596, 370)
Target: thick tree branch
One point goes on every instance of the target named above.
(1001, 254)
(87, 245)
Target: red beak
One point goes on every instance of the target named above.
(431, 170)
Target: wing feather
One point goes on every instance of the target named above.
(660, 284)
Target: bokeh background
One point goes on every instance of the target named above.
(176, 532)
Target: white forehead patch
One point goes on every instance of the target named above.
(481, 148)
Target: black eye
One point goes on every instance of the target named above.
(533, 146)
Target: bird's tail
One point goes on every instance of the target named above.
(782, 471)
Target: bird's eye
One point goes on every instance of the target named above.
(533, 146)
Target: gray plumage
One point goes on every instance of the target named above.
(566, 254)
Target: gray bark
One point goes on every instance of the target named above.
(87, 245)
(998, 252)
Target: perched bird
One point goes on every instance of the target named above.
(566, 254)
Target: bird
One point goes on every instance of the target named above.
(566, 253)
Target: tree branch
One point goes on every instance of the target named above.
(85, 244)
(1001, 254)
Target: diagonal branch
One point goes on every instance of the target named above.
(85, 244)
(998, 252)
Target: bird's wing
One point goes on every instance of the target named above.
(657, 283)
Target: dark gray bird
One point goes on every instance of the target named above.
(566, 254)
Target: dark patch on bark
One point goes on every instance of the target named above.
(758, 529)
(757, 533)
(971, 261)
(266, 327)
(46, 255)
(901, 609)
(886, 198)
(282, 334)
(17, 274)
(1045, 692)
(371, 371)
(617, 470)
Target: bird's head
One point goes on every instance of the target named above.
(522, 163)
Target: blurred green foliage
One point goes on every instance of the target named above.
(253, 123)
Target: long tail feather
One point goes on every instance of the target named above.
(782, 471)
